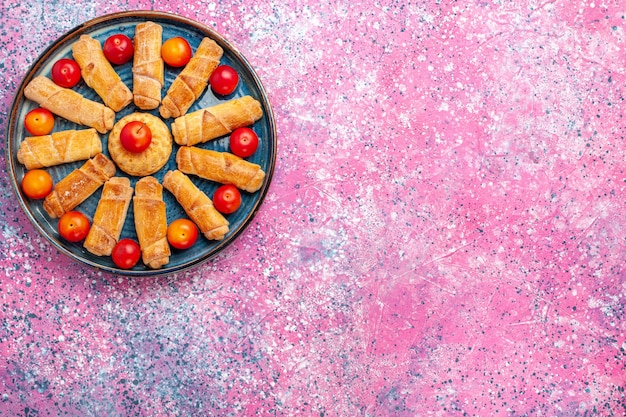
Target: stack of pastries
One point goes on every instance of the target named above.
(102, 171)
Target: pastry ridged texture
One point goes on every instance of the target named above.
(192, 80)
(151, 222)
(148, 67)
(69, 104)
(198, 206)
(109, 218)
(59, 148)
(78, 185)
(222, 167)
(98, 73)
(212, 122)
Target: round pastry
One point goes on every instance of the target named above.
(153, 158)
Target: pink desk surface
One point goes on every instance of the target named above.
(445, 234)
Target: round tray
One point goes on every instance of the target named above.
(101, 28)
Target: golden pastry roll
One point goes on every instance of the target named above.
(78, 185)
(99, 74)
(151, 222)
(69, 104)
(212, 122)
(148, 67)
(192, 80)
(198, 206)
(108, 220)
(222, 167)
(59, 148)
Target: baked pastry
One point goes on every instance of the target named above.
(153, 157)
(192, 80)
(197, 205)
(148, 67)
(215, 121)
(222, 167)
(69, 104)
(151, 222)
(78, 185)
(108, 220)
(98, 73)
(59, 148)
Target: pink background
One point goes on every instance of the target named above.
(445, 233)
